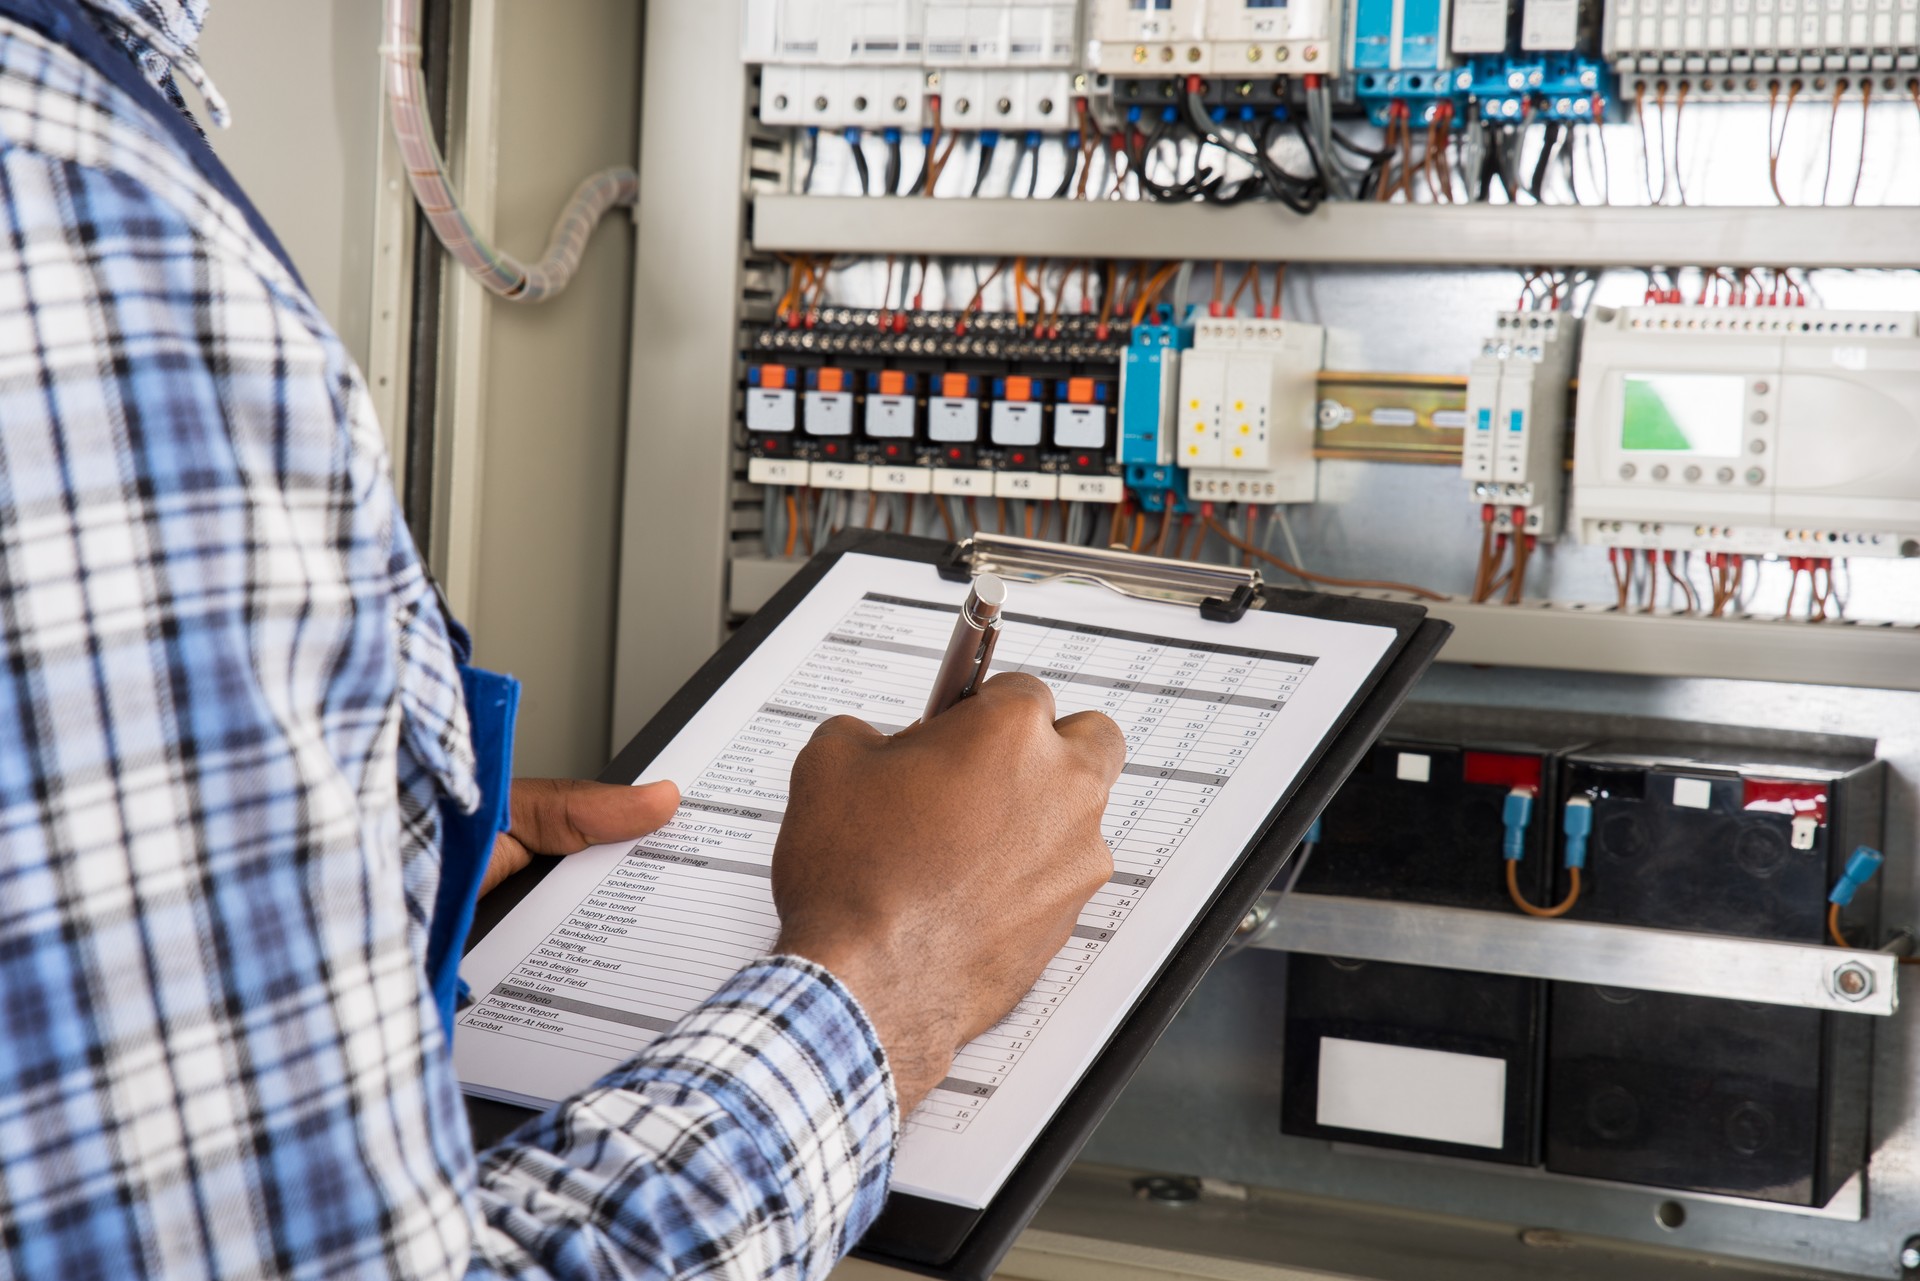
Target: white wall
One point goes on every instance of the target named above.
(303, 80)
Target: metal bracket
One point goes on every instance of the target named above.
(1806, 975)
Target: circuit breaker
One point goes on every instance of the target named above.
(1436, 1061)
(1245, 414)
(1750, 430)
(830, 65)
(1764, 1102)
(1515, 443)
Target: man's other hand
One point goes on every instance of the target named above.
(937, 871)
(565, 816)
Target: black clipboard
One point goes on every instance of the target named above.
(933, 1238)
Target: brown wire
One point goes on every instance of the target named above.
(1483, 570)
(1833, 123)
(1833, 926)
(793, 522)
(1561, 908)
(1000, 525)
(1234, 540)
(1029, 520)
(1866, 112)
(946, 518)
(1523, 545)
(1166, 527)
(1777, 146)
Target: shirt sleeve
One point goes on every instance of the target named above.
(754, 1140)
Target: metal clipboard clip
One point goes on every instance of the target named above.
(1221, 593)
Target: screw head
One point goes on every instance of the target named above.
(1755, 475)
(820, 103)
(899, 103)
(1253, 53)
(1193, 53)
(1139, 53)
(1313, 53)
(1910, 1258)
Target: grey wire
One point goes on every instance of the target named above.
(1286, 530)
(1181, 283)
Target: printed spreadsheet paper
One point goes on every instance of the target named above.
(619, 942)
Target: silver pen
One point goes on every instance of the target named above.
(971, 647)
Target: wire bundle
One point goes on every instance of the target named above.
(499, 271)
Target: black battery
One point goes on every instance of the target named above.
(1723, 842)
(1418, 1059)
(1420, 821)
(1692, 1093)
(1685, 1092)
(1424, 1060)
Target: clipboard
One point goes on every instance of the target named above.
(934, 1238)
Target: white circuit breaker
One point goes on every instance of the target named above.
(1787, 431)
(1246, 411)
(838, 64)
(1514, 449)
(1003, 64)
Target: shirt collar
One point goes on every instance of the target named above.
(164, 35)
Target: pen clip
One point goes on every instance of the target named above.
(981, 657)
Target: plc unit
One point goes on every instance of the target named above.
(1754, 430)
(1764, 1102)
(1245, 416)
(1515, 444)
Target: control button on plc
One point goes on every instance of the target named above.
(1755, 475)
(1627, 471)
(1660, 472)
(1725, 475)
(1693, 473)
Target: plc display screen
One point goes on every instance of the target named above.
(1682, 413)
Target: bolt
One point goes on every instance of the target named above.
(1853, 981)
(1256, 916)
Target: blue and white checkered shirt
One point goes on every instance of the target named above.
(228, 711)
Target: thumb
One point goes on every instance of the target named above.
(562, 816)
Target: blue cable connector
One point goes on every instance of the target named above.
(1518, 813)
(1861, 866)
(1576, 824)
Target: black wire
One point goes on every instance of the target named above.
(1548, 141)
(1033, 175)
(860, 165)
(1066, 179)
(986, 164)
(813, 158)
(891, 184)
(1020, 153)
(1348, 144)
(1300, 194)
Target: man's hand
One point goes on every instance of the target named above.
(565, 816)
(936, 872)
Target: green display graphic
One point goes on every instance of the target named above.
(1682, 414)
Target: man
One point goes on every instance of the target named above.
(229, 717)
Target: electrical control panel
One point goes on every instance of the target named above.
(1246, 409)
(1514, 449)
(1756, 430)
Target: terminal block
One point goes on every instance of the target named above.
(1738, 49)
(1514, 450)
(1246, 411)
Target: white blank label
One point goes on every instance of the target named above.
(1693, 793)
(1417, 1094)
(1414, 768)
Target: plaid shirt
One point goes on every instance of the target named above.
(228, 714)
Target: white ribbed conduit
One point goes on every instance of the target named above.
(500, 272)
